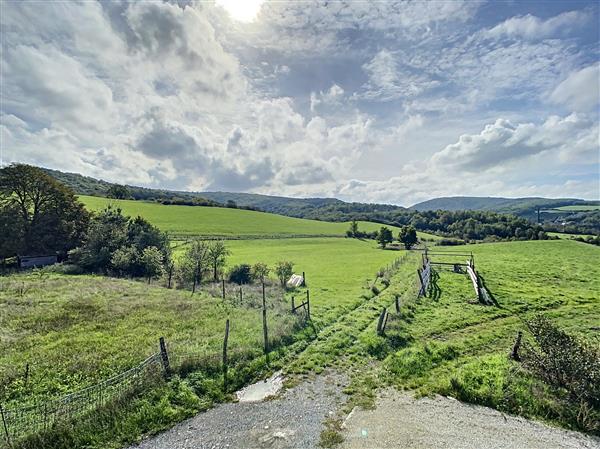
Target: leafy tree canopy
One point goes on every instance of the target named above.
(38, 215)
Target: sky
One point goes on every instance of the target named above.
(391, 102)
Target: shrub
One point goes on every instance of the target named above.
(284, 270)
(260, 271)
(240, 274)
(566, 362)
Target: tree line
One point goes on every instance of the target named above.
(464, 225)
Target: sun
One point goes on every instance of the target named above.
(241, 10)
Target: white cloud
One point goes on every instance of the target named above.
(532, 27)
(162, 94)
(502, 143)
(331, 97)
(580, 90)
(389, 81)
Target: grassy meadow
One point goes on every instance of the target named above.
(225, 222)
(580, 208)
(74, 330)
(452, 345)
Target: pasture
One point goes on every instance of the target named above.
(74, 330)
(580, 208)
(454, 346)
(337, 270)
(224, 222)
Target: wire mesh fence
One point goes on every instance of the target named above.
(20, 422)
(23, 421)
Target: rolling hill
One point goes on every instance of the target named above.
(517, 206)
(225, 222)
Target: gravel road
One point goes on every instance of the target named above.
(292, 420)
(401, 421)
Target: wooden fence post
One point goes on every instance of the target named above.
(422, 290)
(164, 357)
(303, 279)
(514, 354)
(263, 296)
(241, 295)
(223, 283)
(225, 355)
(293, 306)
(26, 376)
(397, 301)
(171, 268)
(5, 426)
(308, 304)
(265, 334)
(380, 322)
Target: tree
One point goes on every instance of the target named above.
(353, 231)
(142, 234)
(118, 192)
(217, 254)
(38, 215)
(124, 258)
(284, 270)
(152, 262)
(384, 236)
(240, 274)
(260, 271)
(107, 233)
(408, 236)
(194, 262)
(117, 242)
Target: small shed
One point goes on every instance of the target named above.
(37, 261)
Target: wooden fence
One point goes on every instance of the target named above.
(424, 275)
(483, 295)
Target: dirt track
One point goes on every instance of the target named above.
(295, 420)
(401, 421)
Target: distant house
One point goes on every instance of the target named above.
(37, 261)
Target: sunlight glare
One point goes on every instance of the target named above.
(241, 10)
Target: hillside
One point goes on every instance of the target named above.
(559, 215)
(225, 222)
(517, 206)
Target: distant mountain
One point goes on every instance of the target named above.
(517, 206)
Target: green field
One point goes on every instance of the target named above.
(565, 235)
(457, 347)
(336, 269)
(225, 222)
(74, 330)
(581, 208)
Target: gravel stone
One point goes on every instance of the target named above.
(291, 420)
(401, 421)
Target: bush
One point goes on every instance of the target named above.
(284, 270)
(450, 242)
(563, 360)
(566, 362)
(240, 274)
